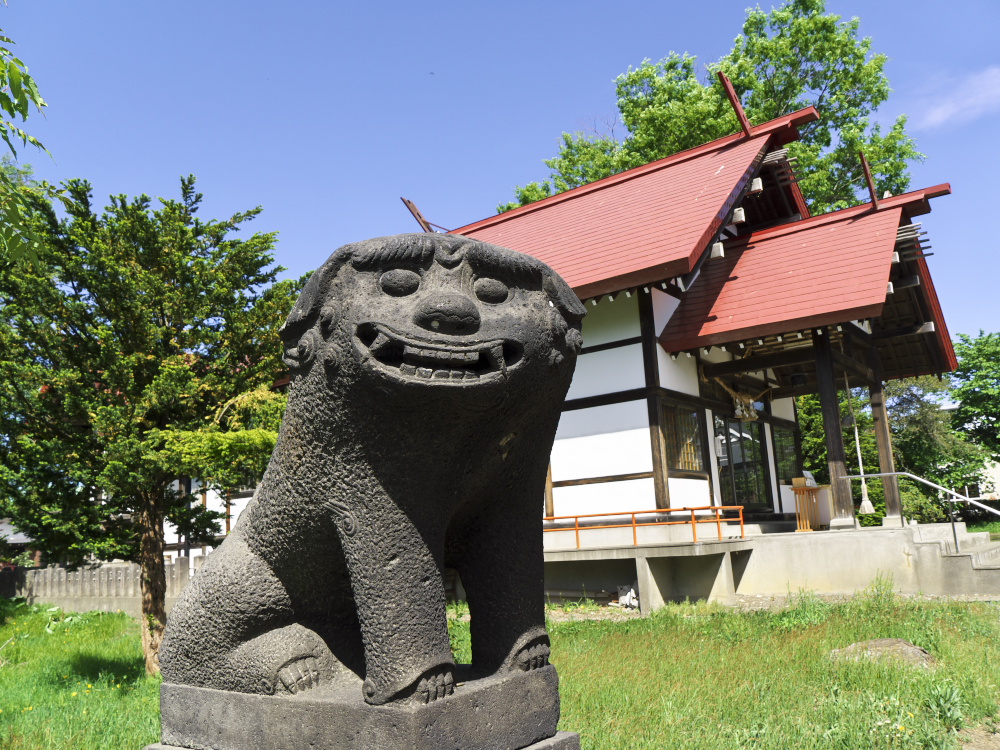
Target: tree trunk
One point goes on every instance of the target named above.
(154, 579)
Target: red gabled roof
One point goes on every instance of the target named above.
(643, 225)
(823, 270)
(779, 282)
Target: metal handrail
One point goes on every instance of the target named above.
(717, 520)
(956, 499)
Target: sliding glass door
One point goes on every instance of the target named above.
(740, 451)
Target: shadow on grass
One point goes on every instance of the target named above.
(123, 670)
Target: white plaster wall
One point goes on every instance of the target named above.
(784, 408)
(630, 415)
(606, 497)
(664, 307)
(611, 321)
(626, 452)
(608, 371)
(787, 499)
(679, 374)
(688, 493)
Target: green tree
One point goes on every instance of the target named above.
(977, 389)
(789, 58)
(18, 94)
(924, 443)
(137, 324)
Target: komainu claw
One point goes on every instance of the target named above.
(533, 656)
(435, 685)
(299, 675)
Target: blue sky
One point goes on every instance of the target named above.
(325, 113)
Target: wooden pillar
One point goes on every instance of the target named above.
(843, 504)
(883, 439)
(651, 368)
(550, 505)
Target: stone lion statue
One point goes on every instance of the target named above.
(428, 372)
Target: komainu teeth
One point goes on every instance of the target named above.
(380, 343)
(408, 369)
(424, 372)
(496, 354)
(457, 374)
(445, 374)
(471, 357)
(471, 376)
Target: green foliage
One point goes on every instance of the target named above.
(18, 95)
(946, 704)
(977, 389)
(792, 57)
(140, 321)
(924, 442)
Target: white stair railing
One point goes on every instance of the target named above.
(955, 496)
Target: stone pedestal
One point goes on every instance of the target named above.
(509, 712)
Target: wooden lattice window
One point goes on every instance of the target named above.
(683, 437)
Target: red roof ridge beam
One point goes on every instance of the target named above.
(783, 130)
(916, 203)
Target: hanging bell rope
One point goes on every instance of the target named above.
(743, 403)
(866, 508)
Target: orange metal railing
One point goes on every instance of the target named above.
(636, 523)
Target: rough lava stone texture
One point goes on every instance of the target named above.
(428, 372)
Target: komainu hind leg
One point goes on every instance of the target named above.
(234, 629)
(284, 661)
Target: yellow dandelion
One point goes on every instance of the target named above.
(73, 694)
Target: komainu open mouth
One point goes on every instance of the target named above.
(422, 360)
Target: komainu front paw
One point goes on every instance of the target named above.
(296, 676)
(432, 685)
(534, 655)
(438, 683)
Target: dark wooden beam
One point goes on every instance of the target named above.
(843, 504)
(760, 362)
(651, 369)
(604, 399)
(611, 345)
(909, 281)
(846, 363)
(793, 391)
(895, 333)
(602, 480)
(858, 333)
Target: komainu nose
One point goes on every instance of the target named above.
(448, 313)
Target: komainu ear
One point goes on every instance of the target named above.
(302, 355)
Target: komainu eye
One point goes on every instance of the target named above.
(491, 291)
(399, 282)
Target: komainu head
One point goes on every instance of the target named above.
(433, 311)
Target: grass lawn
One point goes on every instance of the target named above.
(692, 676)
(73, 681)
(991, 526)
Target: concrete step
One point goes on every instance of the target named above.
(984, 556)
